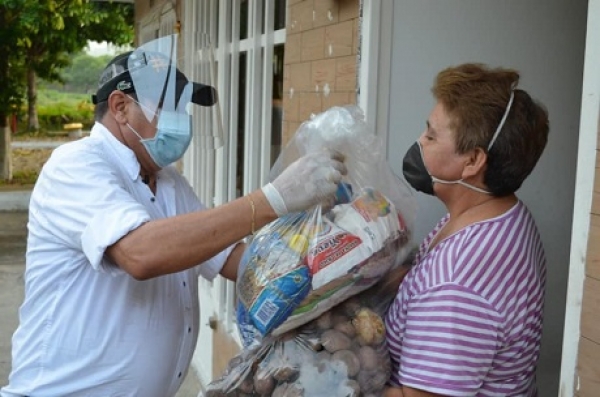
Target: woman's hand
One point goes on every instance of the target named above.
(404, 391)
(391, 391)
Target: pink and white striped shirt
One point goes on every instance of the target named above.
(467, 320)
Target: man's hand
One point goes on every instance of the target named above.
(310, 180)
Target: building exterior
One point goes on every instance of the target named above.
(277, 62)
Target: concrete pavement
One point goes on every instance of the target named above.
(13, 238)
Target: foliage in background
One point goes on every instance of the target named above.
(36, 37)
(65, 27)
(70, 108)
(70, 102)
(82, 75)
(27, 177)
(56, 108)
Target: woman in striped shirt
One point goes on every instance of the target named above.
(467, 320)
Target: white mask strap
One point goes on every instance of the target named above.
(134, 131)
(147, 111)
(460, 182)
(510, 101)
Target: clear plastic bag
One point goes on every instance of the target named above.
(303, 264)
(341, 353)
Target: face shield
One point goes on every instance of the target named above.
(166, 95)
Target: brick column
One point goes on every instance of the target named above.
(320, 62)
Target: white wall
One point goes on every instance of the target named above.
(545, 41)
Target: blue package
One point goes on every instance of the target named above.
(279, 298)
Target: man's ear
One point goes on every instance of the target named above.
(117, 106)
(476, 163)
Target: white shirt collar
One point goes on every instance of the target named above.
(129, 162)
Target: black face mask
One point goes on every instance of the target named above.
(414, 170)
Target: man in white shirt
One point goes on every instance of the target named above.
(117, 240)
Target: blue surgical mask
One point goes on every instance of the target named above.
(173, 136)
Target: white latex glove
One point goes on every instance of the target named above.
(308, 181)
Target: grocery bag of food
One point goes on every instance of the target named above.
(340, 353)
(302, 264)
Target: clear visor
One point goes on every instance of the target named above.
(163, 89)
(153, 71)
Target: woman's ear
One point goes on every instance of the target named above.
(476, 163)
(117, 106)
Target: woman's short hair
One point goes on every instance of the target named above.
(476, 98)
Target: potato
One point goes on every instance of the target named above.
(349, 359)
(370, 329)
(350, 306)
(368, 357)
(346, 327)
(323, 322)
(333, 341)
(372, 381)
(246, 386)
(264, 383)
(338, 317)
(286, 373)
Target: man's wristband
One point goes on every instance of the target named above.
(275, 200)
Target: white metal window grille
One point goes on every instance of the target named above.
(248, 37)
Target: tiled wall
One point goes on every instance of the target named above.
(320, 60)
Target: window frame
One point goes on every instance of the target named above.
(212, 173)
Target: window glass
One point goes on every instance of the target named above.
(279, 22)
(277, 113)
(279, 14)
(244, 19)
(241, 111)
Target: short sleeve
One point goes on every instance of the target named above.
(83, 201)
(450, 340)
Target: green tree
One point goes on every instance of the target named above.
(36, 38)
(64, 28)
(82, 75)
(12, 75)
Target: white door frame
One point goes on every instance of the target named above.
(375, 64)
(584, 191)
